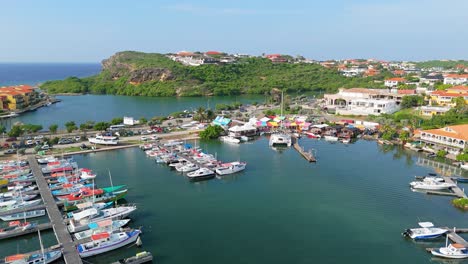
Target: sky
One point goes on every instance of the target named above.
(92, 30)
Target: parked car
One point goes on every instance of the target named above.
(10, 151)
(11, 139)
(143, 138)
(77, 138)
(39, 137)
(45, 147)
(65, 141)
(29, 143)
(6, 145)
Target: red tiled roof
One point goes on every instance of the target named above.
(461, 76)
(458, 132)
(459, 88)
(444, 93)
(212, 52)
(406, 91)
(396, 79)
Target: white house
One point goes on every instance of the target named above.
(392, 82)
(456, 79)
(129, 121)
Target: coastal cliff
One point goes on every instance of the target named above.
(154, 74)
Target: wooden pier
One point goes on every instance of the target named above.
(40, 227)
(305, 154)
(64, 238)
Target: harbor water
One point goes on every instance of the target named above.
(349, 207)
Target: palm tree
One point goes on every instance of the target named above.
(200, 114)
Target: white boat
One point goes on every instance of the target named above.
(105, 242)
(330, 138)
(19, 205)
(23, 215)
(244, 138)
(312, 135)
(36, 258)
(431, 185)
(426, 231)
(202, 173)
(87, 174)
(230, 168)
(464, 166)
(453, 251)
(103, 140)
(229, 139)
(187, 168)
(46, 160)
(172, 143)
(280, 139)
(79, 221)
(346, 140)
(101, 226)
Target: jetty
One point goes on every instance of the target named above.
(456, 191)
(452, 234)
(64, 238)
(308, 155)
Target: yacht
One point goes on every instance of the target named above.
(187, 168)
(229, 139)
(230, 168)
(330, 138)
(103, 140)
(431, 185)
(425, 231)
(200, 174)
(280, 139)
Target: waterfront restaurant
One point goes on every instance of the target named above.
(452, 139)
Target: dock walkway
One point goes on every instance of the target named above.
(306, 154)
(70, 254)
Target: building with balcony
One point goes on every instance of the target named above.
(456, 79)
(452, 139)
(445, 97)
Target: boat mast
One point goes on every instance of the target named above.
(42, 246)
(112, 185)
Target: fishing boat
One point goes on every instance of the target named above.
(105, 242)
(431, 185)
(280, 139)
(426, 231)
(101, 226)
(141, 257)
(23, 215)
(229, 139)
(79, 221)
(201, 174)
(82, 193)
(46, 257)
(230, 168)
(453, 251)
(103, 140)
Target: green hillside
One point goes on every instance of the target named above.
(153, 74)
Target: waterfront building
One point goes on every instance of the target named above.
(452, 139)
(361, 101)
(456, 79)
(433, 110)
(445, 97)
(17, 97)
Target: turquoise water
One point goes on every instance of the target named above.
(350, 207)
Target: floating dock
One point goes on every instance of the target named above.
(64, 238)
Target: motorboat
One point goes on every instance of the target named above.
(229, 139)
(431, 185)
(21, 205)
(46, 257)
(139, 258)
(425, 231)
(79, 221)
(453, 251)
(101, 226)
(187, 168)
(103, 140)
(16, 226)
(105, 242)
(312, 135)
(46, 160)
(230, 168)
(280, 139)
(23, 215)
(81, 194)
(87, 174)
(200, 174)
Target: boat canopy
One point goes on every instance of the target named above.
(426, 224)
(95, 225)
(99, 236)
(85, 213)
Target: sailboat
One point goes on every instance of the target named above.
(280, 139)
(29, 258)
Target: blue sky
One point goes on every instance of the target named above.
(89, 31)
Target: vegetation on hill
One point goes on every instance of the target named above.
(446, 64)
(152, 74)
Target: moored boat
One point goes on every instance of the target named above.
(103, 140)
(46, 257)
(453, 251)
(431, 185)
(425, 231)
(101, 226)
(23, 215)
(230, 168)
(105, 242)
(141, 257)
(201, 174)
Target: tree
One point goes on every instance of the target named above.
(2, 129)
(412, 101)
(117, 121)
(404, 135)
(200, 114)
(101, 126)
(31, 128)
(53, 128)
(16, 131)
(211, 132)
(143, 120)
(70, 126)
(460, 102)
